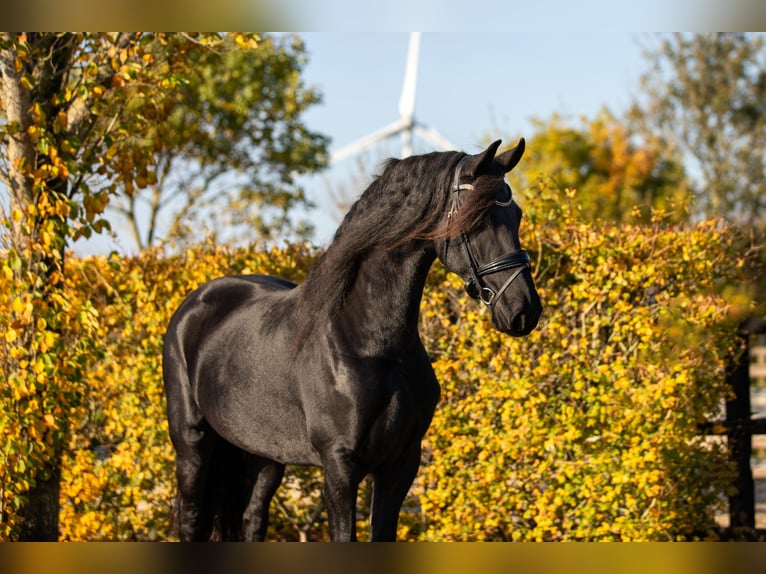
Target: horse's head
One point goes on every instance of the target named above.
(482, 240)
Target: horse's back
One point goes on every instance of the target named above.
(214, 303)
(228, 363)
(200, 317)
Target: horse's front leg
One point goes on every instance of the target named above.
(341, 484)
(390, 487)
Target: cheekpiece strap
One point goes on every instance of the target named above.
(457, 187)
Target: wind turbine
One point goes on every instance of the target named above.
(406, 125)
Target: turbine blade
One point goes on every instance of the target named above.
(407, 99)
(407, 141)
(435, 138)
(367, 141)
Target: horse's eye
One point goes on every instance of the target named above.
(505, 196)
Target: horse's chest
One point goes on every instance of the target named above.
(401, 415)
(404, 413)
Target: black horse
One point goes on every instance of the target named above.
(260, 372)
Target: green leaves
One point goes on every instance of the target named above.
(157, 119)
(229, 145)
(704, 94)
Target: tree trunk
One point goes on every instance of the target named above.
(41, 513)
(21, 150)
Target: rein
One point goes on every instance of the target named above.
(519, 260)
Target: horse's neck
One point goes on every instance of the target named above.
(381, 310)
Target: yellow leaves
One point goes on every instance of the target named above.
(612, 169)
(33, 132)
(47, 341)
(245, 41)
(10, 335)
(18, 306)
(561, 435)
(40, 364)
(597, 396)
(26, 80)
(17, 215)
(118, 473)
(38, 115)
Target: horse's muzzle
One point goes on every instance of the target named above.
(519, 317)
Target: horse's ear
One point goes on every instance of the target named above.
(475, 164)
(510, 158)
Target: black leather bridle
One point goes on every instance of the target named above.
(518, 260)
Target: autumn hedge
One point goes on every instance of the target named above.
(588, 428)
(585, 430)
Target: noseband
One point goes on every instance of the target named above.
(474, 284)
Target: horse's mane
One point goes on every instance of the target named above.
(407, 201)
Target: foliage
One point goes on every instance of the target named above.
(585, 430)
(232, 143)
(45, 135)
(80, 110)
(117, 478)
(76, 110)
(47, 341)
(618, 176)
(704, 94)
(603, 398)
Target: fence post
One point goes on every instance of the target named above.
(739, 436)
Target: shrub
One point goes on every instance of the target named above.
(584, 430)
(588, 428)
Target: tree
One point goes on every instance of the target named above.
(233, 139)
(706, 95)
(616, 174)
(78, 115)
(50, 108)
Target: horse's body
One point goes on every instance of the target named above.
(260, 372)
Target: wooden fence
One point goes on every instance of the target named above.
(739, 427)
